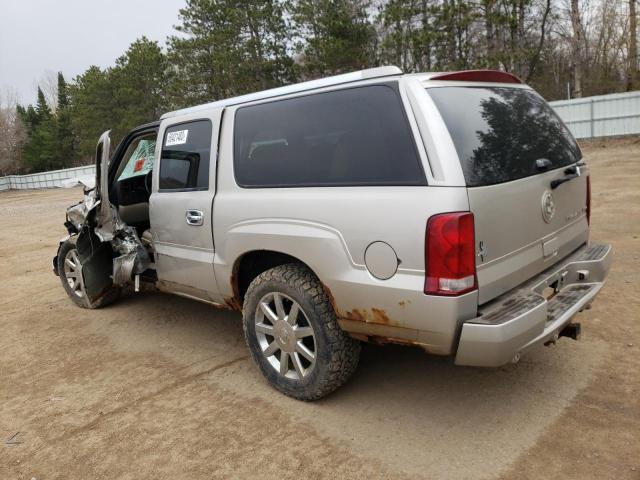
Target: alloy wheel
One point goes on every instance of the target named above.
(73, 273)
(285, 336)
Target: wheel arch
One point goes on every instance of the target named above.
(251, 264)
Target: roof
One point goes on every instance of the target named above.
(367, 74)
(492, 76)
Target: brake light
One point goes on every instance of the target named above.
(478, 76)
(450, 265)
(589, 199)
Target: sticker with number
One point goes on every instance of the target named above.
(177, 138)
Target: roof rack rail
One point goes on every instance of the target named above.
(367, 74)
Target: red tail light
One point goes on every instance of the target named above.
(450, 263)
(588, 199)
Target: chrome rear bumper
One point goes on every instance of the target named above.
(513, 323)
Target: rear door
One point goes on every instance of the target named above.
(181, 205)
(526, 182)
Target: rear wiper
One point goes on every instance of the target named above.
(569, 174)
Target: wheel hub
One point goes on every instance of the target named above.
(285, 336)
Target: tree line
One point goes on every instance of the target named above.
(223, 48)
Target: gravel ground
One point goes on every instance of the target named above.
(160, 387)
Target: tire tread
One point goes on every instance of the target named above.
(345, 351)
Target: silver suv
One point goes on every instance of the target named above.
(448, 211)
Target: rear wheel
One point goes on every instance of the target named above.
(293, 334)
(70, 271)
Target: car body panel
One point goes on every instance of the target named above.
(185, 252)
(510, 225)
(524, 317)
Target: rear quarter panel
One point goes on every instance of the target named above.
(329, 229)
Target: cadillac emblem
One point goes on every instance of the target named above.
(548, 206)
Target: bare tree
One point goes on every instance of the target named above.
(48, 83)
(577, 58)
(632, 75)
(12, 133)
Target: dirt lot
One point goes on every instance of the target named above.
(161, 387)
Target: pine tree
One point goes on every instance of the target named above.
(29, 117)
(264, 37)
(40, 149)
(66, 153)
(410, 34)
(43, 111)
(334, 36)
(139, 83)
(40, 153)
(227, 48)
(93, 109)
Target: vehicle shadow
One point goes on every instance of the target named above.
(420, 407)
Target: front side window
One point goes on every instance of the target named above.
(186, 152)
(352, 137)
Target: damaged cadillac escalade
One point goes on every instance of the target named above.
(448, 211)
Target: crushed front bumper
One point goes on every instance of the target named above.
(518, 320)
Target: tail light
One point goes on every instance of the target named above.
(588, 199)
(450, 263)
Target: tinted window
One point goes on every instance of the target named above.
(357, 136)
(499, 133)
(184, 163)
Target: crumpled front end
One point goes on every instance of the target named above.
(130, 257)
(110, 251)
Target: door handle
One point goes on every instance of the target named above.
(195, 217)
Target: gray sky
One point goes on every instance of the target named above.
(37, 36)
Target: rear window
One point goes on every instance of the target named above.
(356, 136)
(500, 132)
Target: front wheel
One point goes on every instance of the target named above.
(293, 334)
(70, 272)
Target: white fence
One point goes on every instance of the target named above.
(601, 116)
(55, 178)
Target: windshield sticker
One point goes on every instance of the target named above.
(177, 138)
(138, 165)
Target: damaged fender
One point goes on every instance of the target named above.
(110, 251)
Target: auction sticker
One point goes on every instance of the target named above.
(177, 138)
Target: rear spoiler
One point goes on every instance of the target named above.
(494, 76)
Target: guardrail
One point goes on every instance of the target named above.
(54, 178)
(602, 115)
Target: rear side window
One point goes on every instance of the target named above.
(186, 152)
(357, 136)
(500, 132)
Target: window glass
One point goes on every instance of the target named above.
(356, 136)
(139, 157)
(186, 151)
(500, 132)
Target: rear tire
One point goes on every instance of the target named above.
(288, 318)
(69, 270)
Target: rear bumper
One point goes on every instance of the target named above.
(520, 319)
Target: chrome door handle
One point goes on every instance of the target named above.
(195, 217)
